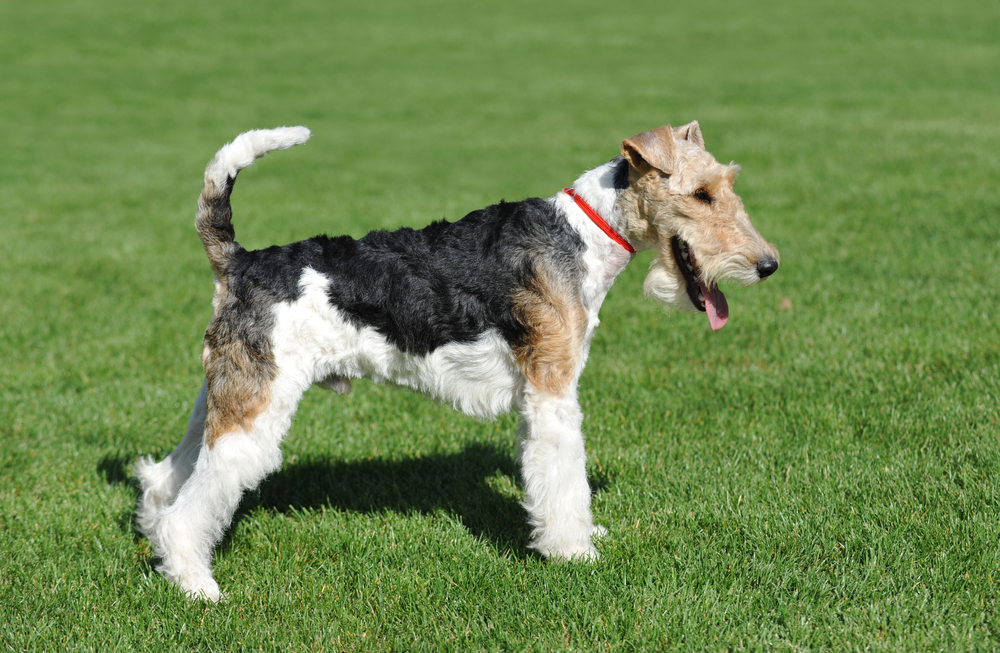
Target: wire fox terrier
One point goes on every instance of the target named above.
(493, 312)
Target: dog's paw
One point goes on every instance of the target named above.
(599, 531)
(202, 588)
(587, 554)
(579, 553)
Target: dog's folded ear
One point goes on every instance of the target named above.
(654, 148)
(690, 132)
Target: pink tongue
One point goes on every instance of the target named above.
(715, 306)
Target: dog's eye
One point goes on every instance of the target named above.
(664, 175)
(703, 196)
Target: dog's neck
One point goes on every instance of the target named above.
(604, 258)
(601, 187)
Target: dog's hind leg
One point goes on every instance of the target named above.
(554, 473)
(161, 481)
(230, 462)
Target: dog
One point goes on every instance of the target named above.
(490, 313)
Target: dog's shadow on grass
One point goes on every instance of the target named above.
(476, 485)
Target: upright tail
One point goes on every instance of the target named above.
(214, 221)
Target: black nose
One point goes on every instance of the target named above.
(766, 267)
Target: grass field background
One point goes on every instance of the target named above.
(822, 474)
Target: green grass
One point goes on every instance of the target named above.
(823, 474)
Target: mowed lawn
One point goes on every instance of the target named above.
(822, 474)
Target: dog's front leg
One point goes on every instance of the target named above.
(554, 472)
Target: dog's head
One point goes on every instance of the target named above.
(680, 202)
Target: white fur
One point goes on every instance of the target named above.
(161, 481)
(185, 532)
(554, 473)
(665, 284)
(479, 378)
(251, 145)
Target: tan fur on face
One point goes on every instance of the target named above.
(549, 355)
(661, 203)
(654, 149)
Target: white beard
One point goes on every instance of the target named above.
(665, 284)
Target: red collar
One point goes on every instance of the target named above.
(599, 221)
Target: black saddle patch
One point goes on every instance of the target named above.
(421, 289)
